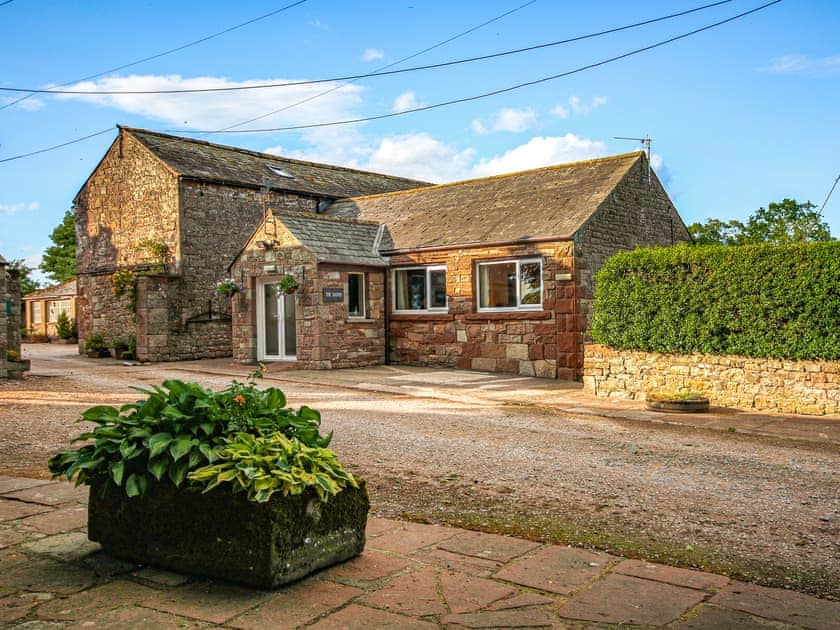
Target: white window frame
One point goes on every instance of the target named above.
(55, 308)
(428, 269)
(519, 306)
(362, 294)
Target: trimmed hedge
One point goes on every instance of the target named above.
(779, 301)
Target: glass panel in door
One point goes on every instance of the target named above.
(276, 319)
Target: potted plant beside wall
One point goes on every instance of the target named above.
(95, 346)
(231, 484)
(288, 284)
(15, 365)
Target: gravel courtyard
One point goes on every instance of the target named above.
(758, 508)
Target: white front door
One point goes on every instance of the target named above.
(276, 340)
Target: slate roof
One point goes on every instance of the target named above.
(335, 240)
(64, 290)
(197, 159)
(550, 202)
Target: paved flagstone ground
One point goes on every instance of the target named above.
(410, 576)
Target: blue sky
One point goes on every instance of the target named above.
(740, 115)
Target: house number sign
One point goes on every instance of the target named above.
(333, 294)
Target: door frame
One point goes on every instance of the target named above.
(281, 323)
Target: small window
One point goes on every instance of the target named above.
(507, 285)
(279, 171)
(356, 296)
(420, 289)
(35, 310)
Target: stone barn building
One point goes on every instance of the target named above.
(159, 221)
(492, 274)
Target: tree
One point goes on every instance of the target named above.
(27, 283)
(787, 221)
(60, 259)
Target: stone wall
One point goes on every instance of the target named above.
(537, 343)
(133, 196)
(10, 320)
(326, 337)
(635, 214)
(804, 387)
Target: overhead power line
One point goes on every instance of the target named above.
(511, 88)
(385, 67)
(828, 196)
(378, 73)
(158, 55)
(445, 103)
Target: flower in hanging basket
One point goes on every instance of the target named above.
(227, 287)
(287, 284)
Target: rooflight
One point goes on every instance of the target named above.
(279, 171)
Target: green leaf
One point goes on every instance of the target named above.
(158, 466)
(130, 450)
(133, 487)
(158, 443)
(100, 414)
(178, 471)
(117, 469)
(180, 446)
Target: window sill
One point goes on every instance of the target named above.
(362, 320)
(509, 315)
(413, 317)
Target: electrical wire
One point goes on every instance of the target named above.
(833, 186)
(385, 67)
(445, 103)
(380, 72)
(156, 56)
(57, 146)
(3, 4)
(477, 97)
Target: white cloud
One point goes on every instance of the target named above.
(562, 112)
(372, 54)
(420, 156)
(803, 64)
(14, 208)
(406, 100)
(582, 108)
(30, 104)
(541, 151)
(216, 110)
(507, 119)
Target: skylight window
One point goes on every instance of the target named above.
(279, 171)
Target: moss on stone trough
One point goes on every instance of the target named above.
(223, 535)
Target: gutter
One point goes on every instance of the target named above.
(474, 244)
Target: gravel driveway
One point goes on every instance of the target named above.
(756, 508)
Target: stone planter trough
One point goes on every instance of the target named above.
(695, 404)
(223, 535)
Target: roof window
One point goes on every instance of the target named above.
(279, 171)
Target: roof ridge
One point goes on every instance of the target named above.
(321, 217)
(550, 167)
(268, 156)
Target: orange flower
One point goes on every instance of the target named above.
(240, 399)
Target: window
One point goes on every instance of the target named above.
(356, 296)
(506, 285)
(279, 171)
(55, 308)
(35, 308)
(420, 289)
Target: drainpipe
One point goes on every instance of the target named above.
(387, 316)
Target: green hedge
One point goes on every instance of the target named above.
(779, 301)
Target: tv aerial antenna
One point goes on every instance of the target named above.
(646, 142)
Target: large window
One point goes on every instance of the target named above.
(56, 307)
(505, 285)
(420, 289)
(356, 296)
(35, 309)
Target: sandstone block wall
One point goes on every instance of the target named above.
(636, 214)
(531, 343)
(803, 387)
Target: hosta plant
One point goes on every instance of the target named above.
(181, 428)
